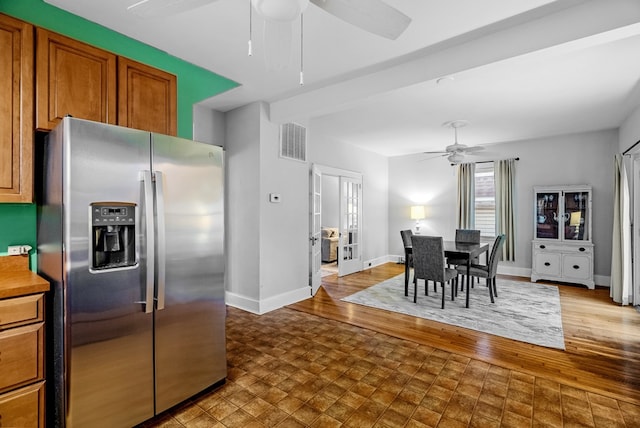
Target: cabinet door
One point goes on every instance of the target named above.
(73, 78)
(146, 98)
(576, 267)
(576, 216)
(547, 215)
(547, 263)
(16, 110)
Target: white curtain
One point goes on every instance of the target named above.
(621, 247)
(505, 179)
(465, 213)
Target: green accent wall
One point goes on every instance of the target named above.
(18, 227)
(195, 84)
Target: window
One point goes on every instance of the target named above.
(485, 200)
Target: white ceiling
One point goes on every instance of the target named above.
(517, 69)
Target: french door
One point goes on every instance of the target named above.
(350, 227)
(315, 262)
(350, 246)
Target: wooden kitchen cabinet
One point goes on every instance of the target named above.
(147, 97)
(73, 78)
(23, 407)
(22, 324)
(16, 110)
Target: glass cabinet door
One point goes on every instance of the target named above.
(576, 216)
(547, 215)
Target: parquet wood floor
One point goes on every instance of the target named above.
(325, 363)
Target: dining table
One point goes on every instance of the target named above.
(456, 250)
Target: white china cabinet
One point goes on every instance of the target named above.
(562, 248)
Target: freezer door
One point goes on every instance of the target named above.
(109, 337)
(189, 320)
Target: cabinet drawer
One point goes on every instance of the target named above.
(23, 407)
(21, 351)
(563, 248)
(576, 267)
(548, 263)
(23, 310)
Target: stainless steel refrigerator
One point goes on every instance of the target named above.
(131, 236)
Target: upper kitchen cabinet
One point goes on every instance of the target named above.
(16, 110)
(73, 78)
(147, 98)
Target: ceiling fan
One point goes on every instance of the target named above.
(374, 16)
(456, 152)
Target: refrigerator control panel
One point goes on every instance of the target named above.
(113, 232)
(103, 215)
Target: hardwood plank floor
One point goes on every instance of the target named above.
(602, 339)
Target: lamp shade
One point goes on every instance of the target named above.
(417, 212)
(574, 220)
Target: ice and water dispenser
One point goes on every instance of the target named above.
(113, 235)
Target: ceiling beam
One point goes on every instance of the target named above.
(550, 26)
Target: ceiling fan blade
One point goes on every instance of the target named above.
(456, 147)
(162, 8)
(473, 149)
(374, 16)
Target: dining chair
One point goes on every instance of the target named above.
(429, 264)
(489, 270)
(406, 237)
(406, 241)
(469, 236)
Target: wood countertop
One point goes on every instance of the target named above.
(17, 280)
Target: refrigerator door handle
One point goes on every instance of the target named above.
(160, 239)
(150, 245)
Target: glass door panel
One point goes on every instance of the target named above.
(576, 216)
(547, 215)
(349, 250)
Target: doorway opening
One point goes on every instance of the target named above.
(335, 223)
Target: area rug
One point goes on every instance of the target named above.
(523, 311)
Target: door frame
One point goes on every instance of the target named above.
(336, 172)
(635, 231)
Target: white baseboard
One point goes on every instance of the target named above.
(514, 271)
(263, 306)
(602, 280)
(379, 261)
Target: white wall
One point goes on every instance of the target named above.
(284, 226)
(243, 204)
(209, 126)
(267, 245)
(630, 130)
(569, 159)
(374, 169)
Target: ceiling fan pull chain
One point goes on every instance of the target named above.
(301, 49)
(250, 53)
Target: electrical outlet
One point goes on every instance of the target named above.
(16, 250)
